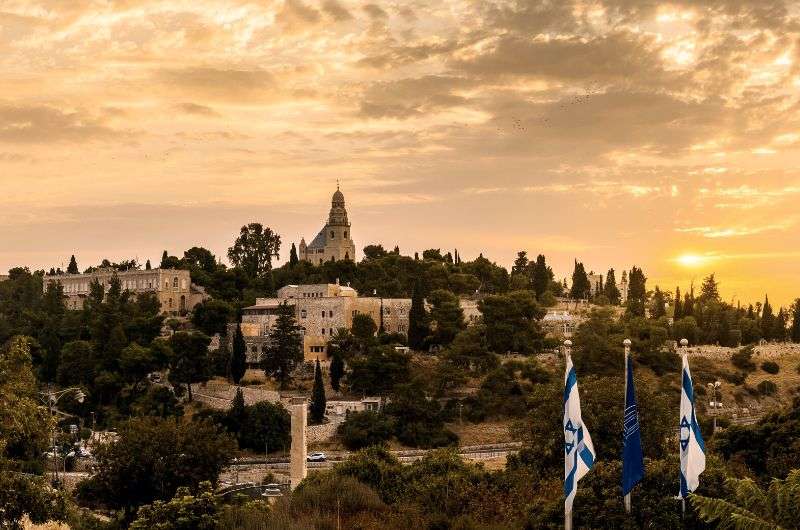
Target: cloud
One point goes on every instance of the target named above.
(41, 124)
(234, 85)
(199, 110)
(375, 11)
(738, 231)
(336, 10)
(414, 96)
(297, 16)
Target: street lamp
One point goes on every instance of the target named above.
(716, 395)
(51, 399)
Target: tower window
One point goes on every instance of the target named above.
(345, 234)
(333, 234)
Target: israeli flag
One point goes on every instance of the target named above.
(693, 449)
(578, 449)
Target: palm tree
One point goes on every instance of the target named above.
(751, 508)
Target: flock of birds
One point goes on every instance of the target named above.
(519, 125)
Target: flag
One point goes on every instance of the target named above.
(693, 450)
(632, 460)
(578, 449)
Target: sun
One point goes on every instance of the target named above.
(691, 260)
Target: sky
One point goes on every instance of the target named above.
(619, 132)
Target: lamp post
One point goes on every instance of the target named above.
(716, 395)
(51, 399)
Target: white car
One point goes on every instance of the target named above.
(316, 457)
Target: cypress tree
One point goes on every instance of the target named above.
(779, 329)
(237, 411)
(767, 320)
(541, 276)
(417, 318)
(318, 396)
(795, 332)
(293, 259)
(336, 370)
(688, 305)
(678, 313)
(580, 283)
(164, 259)
(610, 290)
(637, 292)
(147, 266)
(238, 362)
(657, 308)
(72, 268)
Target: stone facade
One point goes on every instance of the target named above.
(334, 241)
(320, 309)
(173, 287)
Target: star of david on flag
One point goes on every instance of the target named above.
(693, 449)
(579, 452)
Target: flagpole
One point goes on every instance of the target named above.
(627, 344)
(567, 514)
(684, 353)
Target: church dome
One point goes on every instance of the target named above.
(338, 197)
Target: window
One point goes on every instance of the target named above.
(166, 284)
(333, 234)
(388, 311)
(330, 331)
(302, 313)
(170, 302)
(345, 234)
(355, 312)
(323, 331)
(175, 283)
(323, 314)
(330, 314)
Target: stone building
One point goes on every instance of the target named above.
(320, 309)
(334, 241)
(595, 283)
(622, 286)
(173, 287)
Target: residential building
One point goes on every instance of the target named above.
(172, 287)
(321, 310)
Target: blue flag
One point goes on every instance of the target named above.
(632, 460)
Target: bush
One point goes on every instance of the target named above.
(742, 359)
(771, 367)
(767, 388)
(362, 429)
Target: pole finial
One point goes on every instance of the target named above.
(684, 342)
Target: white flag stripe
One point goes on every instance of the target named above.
(692, 447)
(579, 452)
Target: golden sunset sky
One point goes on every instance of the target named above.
(618, 132)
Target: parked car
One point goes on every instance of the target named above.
(316, 457)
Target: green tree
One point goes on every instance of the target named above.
(237, 365)
(795, 330)
(77, 367)
(767, 320)
(446, 317)
(212, 316)
(72, 268)
(610, 289)
(147, 266)
(709, 291)
(293, 259)
(185, 511)
(254, 249)
(469, 351)
(677, 312)
(363, 327)
(136, 362)
(512, 322)
(377, 372)
(542, 276)
(336, 371)
(637, 293)
(363, 429)
(190, 363)
(318, 402)
(521, 263)
(284, 349)
(580, 283)
(658, 305)
(153, 457)
(417, 318)
(748, 506)
(265, 426)
(24, 495)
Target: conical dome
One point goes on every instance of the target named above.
(338, 198)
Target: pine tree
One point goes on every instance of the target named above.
(521, 263)
(293, 259)
(779, 329)
(72, 268)
(284, 347)
(318, 397)
(417, 318)
(238, 361)
(677, 314)
(336, 371)
(709, 291)
(610, 290)
(795, 332)
(147, 266)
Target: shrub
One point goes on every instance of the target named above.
(362, 429)
(742, 359)
(771, 367)
(767, 388)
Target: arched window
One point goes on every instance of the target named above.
(346, 255)
(170, 302)
(302, 313)
(175, 283)
(345, 234)
(333, 234)
(183, 303)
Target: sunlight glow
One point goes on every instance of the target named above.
(691, 260)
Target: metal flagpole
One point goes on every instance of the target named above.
(567, 514)
(627, 344)
(684, 353)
